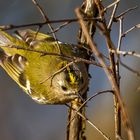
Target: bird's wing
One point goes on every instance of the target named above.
(15, 66)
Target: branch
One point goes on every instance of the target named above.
(125, 53)
(129, 30)
(126, 11)
(88, 99)
(70, 58)
(112, 15)
(40, 24)
(111, 78)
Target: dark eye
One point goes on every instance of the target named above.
(64, 88)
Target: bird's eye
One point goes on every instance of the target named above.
(64, 88)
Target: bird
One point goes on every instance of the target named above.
(43, 67)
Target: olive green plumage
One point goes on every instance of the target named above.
(39, 74)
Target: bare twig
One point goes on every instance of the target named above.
(112, 15)
(57, 72)
(120, 33)
(76, 129)
(102, 133)
(126, 53)
(75, 60)
(42, 13)
(114, 68)
(130, 69)
(126, 11)
(112, 4)
(43, 53)
(118, 48)
(47, 19)
(117, 110)
(88, 121)
(60, 27)
(129, 30)
(111, 78)
(87, 100)
(12, 26)
(118, 52)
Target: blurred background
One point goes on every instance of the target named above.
(23, 119)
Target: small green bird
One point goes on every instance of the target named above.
(43, 67)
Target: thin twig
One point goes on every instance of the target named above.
(57, 72)
(91, 123)
(129, 30)
(45, 17)
(112, 4)
(88, 99)
(120, 33)
(130, 69)
(104, 29)
(126, 53)
(12, 26)
(118, 52)
(76, 129)
(60, 27)
(42, 13)
(126, 120)
(117, 110)
(126, 11)
(77, 59)
(112, 15)
(43, 53)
